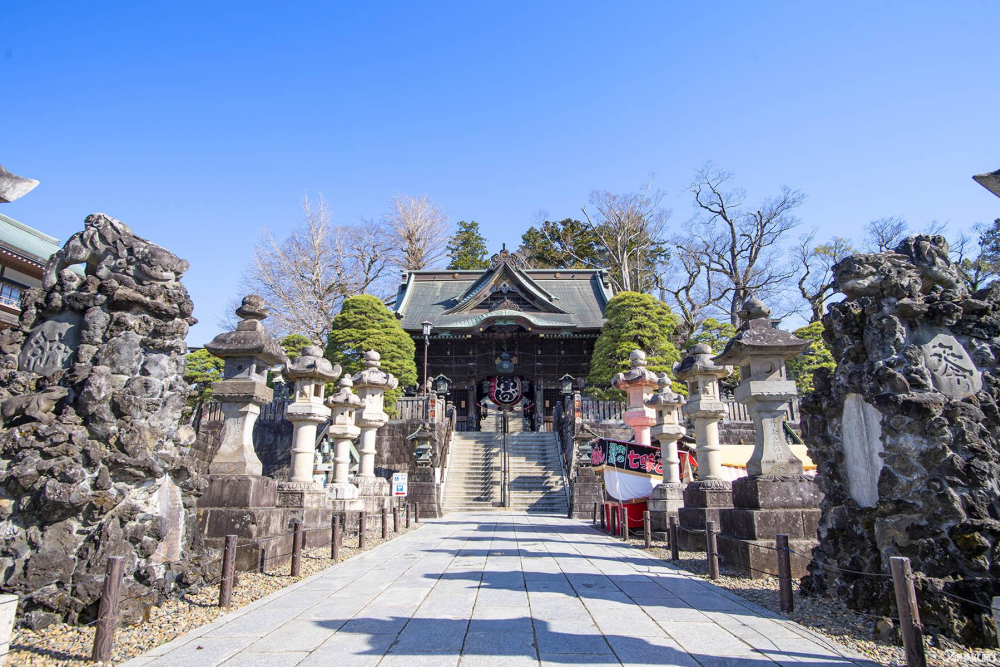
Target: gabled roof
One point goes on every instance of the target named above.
(567, 300)
(29, 243)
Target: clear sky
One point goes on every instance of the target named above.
(199, 123)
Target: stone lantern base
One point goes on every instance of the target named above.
(425, 490)
(704, 500)
(373, 493)
(586, 489)
(664, 502)
(765, 507)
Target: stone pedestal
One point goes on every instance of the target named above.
(423, 489)
(373, 495)
(763, 508)
(664, 502)
(246, 506)
(586, 489)
(704, 501)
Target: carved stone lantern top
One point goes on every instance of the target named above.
(344, 405)
(373, 376)
(667, 405)
(702, 375)
(311, 365)
(699, 362)
(637, 376)
(344, 397)
(249, 339)
(758, 337)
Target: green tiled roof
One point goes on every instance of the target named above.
(24, 240)
(428, 295)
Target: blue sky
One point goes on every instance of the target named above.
(198, 124)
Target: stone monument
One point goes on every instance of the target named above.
(638, 382)
(668, 496)
(94, 454)
(344, 405)
(371, 383)
(711, 492)
(904, 434)
(776, 498)
(310, 372)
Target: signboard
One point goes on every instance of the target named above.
(399, 483)
(506, 389)
(630, 470)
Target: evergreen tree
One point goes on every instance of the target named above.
(364, 323)
(633, 321)
(293, 344)
(467, 248)
(566, 244)
(816, 356)
(202, 369)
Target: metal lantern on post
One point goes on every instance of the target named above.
(566, 384)
(442, 384)
(427, 325)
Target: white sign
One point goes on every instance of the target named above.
(399, 483)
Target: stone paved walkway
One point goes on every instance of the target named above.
(500, 589)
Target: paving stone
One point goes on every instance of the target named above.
(295, 635)
(288, 659)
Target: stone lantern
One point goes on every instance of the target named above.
(776, 498)
(423, 445)
(638, 382)
(344, 405)
(310, 372)
(248, 352)
(704, 498)
(371, 384)
(667, 497)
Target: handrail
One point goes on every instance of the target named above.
(449, 435)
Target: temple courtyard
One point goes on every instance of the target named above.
(504, 589)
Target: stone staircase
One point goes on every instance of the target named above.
(473, 483)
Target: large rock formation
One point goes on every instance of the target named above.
(93, 453)
(905, 437)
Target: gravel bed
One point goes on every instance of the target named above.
(63, 644)
(825, 615)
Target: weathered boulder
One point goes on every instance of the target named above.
(906, 437)
(94, 451)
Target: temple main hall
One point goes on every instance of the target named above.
(470, 323)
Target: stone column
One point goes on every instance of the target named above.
(710, 493)
(667, 497)
(310, 372)
(638, 382)
(776, 498)
(371, 384)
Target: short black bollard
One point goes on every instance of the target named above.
(647, 535)
(407, 516)
(785, 599)
(604, 520)
(623, 522)
(416, 512)
(909, 615)
(385, 523)
(712, 550)
(595, 514)
(395, 519)
(613, 524)
(228, 567)
(107, 614)
(674, 547)
(335, 538)
(297, 549)
(362, 529)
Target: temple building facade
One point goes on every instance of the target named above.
(23, 253)
(467, 324)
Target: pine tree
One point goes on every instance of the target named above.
(202, 369)
(364, 323)
(816, 356)
(293, 344)
(467, 248)
(633, 321)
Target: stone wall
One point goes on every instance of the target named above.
(905, 436)
(94, 454)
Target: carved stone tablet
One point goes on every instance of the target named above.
(51, 346)
(861, 431)
(952, 370)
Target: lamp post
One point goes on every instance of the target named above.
(442, 384)
(427, 343)
(566, 384)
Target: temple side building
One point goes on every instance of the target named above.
(23, 253)
(545, 320)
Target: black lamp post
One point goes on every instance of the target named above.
(566, 384)
(427, 343)
(442, 384)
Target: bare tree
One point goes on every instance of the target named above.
(978, 257)
(741, 246)
(884, 234)
(816, 262)
(306, 276)
(693, 289)
(629, 231)
(421, 228)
